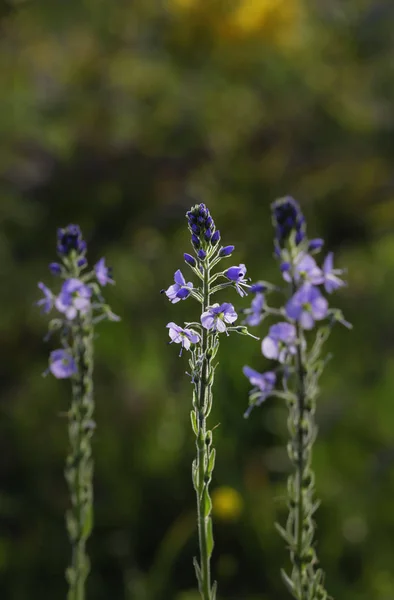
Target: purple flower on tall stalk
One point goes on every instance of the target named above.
(217, 316)
(263, 384)
(254, 314)
(62, 364)
(298, 377)
(69, 239)
(55, 268)
(304, 269)
(103, 273)
(183, 336)
(288, 217)
(226, 251)
(315, 245)
(180, 290)
(47, 301)
(73, 298)
(280, 342)
(331, 279)
(237, 274)
(81, 306)
(307, 306)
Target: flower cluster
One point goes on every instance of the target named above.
(79, 295)
(201, 338)
(205, 242)
(307, 304)
(305, 312)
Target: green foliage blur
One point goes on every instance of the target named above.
(114, 115)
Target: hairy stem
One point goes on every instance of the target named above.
(203, 443)
(300, 463)
(79, 465)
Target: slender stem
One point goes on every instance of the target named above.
(79, 466)
(300, 465)
(203, 397)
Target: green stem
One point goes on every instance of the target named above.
(79, 465)
(300, 464)
(202, 409)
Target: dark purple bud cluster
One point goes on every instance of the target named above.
(202, 228)
(69, 239)
(288, 218)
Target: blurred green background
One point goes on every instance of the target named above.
(112, 114)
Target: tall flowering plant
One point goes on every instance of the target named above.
(201, 338)
(79, 306)
(295, 344)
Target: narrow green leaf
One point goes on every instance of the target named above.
(195, 474)
(88, 522)
(193, 419)
(211, 462)
(198, 571)
(206, 503)
(210, 542)
(288, 583)
(285, 535)
(214, 590)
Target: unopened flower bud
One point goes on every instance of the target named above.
(315, 244)
(55, 268)
(195, 241)
(226, 251)
(189, 259)
(215, 237)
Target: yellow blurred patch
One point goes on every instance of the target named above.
(227, 503)
(277, 20)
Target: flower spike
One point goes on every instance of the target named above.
(295, 376)
(78, 307)
(201, 339)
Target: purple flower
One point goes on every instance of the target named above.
(215, 237)
(47, 301)
(226, 251)
(73, 298)
(315, 244)
(185, 337)
(280, 342)
(55, 268)
(217, 316)
(103, 273)
(263, 384)
(62, 364)
(195, 241)
(305, 269)
(237, 274)
(288, 217)
(331, 279)
(307, 306)
(70, 238)
(180, 290)
(201, 225)
(190, 259)
(82, 262)
(258, 287)
(255, 312)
